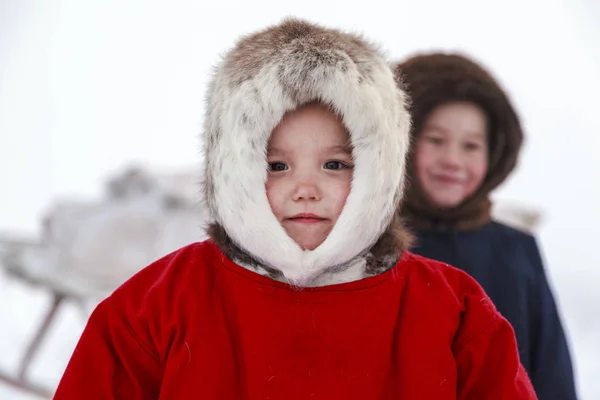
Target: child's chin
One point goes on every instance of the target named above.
(308, 245)
(448, 201)
(308, 239)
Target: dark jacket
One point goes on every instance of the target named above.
(505, 261)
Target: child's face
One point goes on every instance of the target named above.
(310, 173)
(451, 153)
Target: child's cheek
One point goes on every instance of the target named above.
(422, 160)
(274, 196)
(478, 171)
(342, 191)
(269, 188)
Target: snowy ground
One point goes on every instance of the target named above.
(23, 307)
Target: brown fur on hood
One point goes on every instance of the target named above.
(275, 71)
(437, 78)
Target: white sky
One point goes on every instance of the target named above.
(88, 87)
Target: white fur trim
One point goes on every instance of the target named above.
(242, 113)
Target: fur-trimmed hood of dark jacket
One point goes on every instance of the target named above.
(436, 78)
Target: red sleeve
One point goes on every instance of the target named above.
(110, 363)
(488, 364)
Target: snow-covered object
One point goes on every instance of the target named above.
(89, 248)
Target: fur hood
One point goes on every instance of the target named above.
(436, 78)
(275, 71)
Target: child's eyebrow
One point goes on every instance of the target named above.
(347, 149)
(477, 135)
(434, 127)
(274, 150)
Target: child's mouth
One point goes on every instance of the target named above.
(307, 218)
(448, 180)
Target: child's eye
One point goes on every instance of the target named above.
(434, 140)
(277, 166)
(334, 165)
(472, 146)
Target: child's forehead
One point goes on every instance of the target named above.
(311, 128)
(456, 132)
(334, 149)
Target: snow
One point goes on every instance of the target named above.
(89, 87)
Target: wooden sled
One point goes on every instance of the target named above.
(87, 249)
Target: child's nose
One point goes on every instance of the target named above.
(451, 157)
(306, 191)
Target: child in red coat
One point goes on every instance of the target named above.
(305, 289)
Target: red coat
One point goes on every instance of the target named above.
(194, 325)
